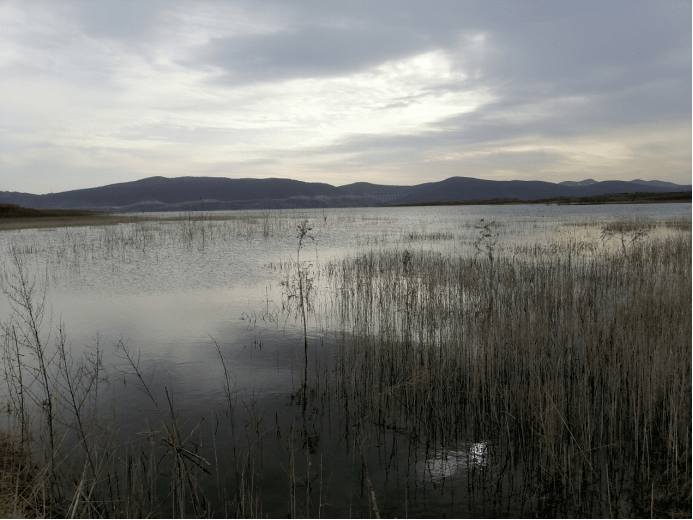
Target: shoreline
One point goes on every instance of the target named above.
(613, 198)
(13, 217)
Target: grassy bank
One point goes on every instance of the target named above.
(193, 223)
(18, 217)
(14, 211)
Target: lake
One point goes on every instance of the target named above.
(181, 296)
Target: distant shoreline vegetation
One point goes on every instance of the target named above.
(14, 211)
(13, 217)
(609, 198)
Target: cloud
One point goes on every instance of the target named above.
(309, 52)
(394, 92)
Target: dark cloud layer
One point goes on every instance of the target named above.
(626, 55)
(307, 53)
(554, 43)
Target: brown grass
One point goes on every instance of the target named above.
(15, 211)
(59, 221)
(20, 496)
(578, 366)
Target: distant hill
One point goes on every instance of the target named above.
(158, 192)
(217, 193)
(374, 191)
(660, 184)
(467, 188)
(586, 182)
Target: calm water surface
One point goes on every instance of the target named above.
(171, 300)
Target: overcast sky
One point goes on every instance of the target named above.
(401, 92)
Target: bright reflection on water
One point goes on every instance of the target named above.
(446, 464)
(170, 300)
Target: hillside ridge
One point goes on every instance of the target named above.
(222, 193)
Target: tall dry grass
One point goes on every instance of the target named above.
(575, 364)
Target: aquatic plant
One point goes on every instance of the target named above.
(577, 368)
(546, 377)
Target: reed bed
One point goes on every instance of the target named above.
(575, 363)
(556, 372)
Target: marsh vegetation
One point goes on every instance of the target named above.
(465, 365)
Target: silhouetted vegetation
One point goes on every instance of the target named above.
(610, 198)
(14, 211)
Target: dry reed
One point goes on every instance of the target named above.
(575, 364)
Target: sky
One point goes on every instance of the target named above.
(390, 92)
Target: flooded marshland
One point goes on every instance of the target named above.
(457, 361)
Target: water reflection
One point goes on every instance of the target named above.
(446, 464)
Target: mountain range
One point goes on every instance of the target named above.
(221, 193)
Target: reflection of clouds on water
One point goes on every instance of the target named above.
(446, 463)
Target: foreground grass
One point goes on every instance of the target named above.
(13, 480)
(571, 360)
(20, 496)
(576, 366)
